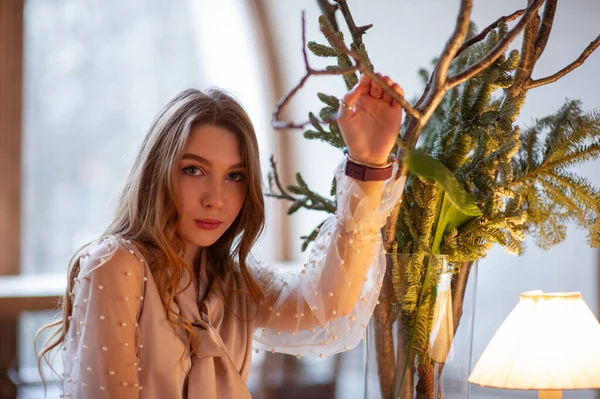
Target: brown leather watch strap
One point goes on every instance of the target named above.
(365, 173)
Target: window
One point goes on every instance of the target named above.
(95, 75)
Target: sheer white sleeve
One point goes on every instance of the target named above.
(100, 349)
(324, 308)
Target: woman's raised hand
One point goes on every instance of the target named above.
(370, 120)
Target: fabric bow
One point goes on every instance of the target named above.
(206, 341)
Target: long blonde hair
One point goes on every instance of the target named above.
(147, 209)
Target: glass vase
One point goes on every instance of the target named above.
(393, 373)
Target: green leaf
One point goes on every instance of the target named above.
(449, 218)
(426, 166)
(457, 206)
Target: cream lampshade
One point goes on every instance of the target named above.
(549, 342)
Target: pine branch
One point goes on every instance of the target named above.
(343, 60)
(481, 35)
(473, 70)
(334, 135)
(580, 189)
(580, 154)
(529, 152)
(573, 138)
(305, 197)
(306, 240)
(362, 66)
(560, 196)
(434, 96)
(594, 235)
(321, 50)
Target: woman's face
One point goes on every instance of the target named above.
(211, 185)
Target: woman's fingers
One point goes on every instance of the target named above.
(367, 86)
(387, 97)
(363, 87)
(376, 91)
(347, 103)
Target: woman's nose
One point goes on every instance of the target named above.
(213, 196)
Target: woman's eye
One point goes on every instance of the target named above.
(237, 176)
(193, 171)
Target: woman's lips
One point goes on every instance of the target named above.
(208, 224)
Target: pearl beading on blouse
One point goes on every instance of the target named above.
(100, 330)
(346, 241)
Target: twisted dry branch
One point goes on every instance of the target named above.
(274, 179)
(475, 39)
(279, 124)
(578, 62)
(356, 32)
(499, 49)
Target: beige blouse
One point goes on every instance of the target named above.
(120, 344)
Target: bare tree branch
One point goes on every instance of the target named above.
(475, 39)
(545, 28)
(497, 51)
(438, 81)
(425, 91)
(579, 61)
(309, 200)
(481, 35)
(274, 178)
(328, 10)
(275, 121)
(357, 32)
(341, 47)
(452, 46)
(527, 59)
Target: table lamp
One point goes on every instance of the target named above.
(549, 342)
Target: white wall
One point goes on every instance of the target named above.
(406, 36)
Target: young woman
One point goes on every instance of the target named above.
(168, 302)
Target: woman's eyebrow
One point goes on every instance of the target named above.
(206, 161)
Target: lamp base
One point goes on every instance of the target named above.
(549, 394)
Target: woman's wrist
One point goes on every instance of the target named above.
(363, 171)
(374, 163)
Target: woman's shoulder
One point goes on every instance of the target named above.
(111, 251)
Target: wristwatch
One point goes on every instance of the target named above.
(364, 172)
